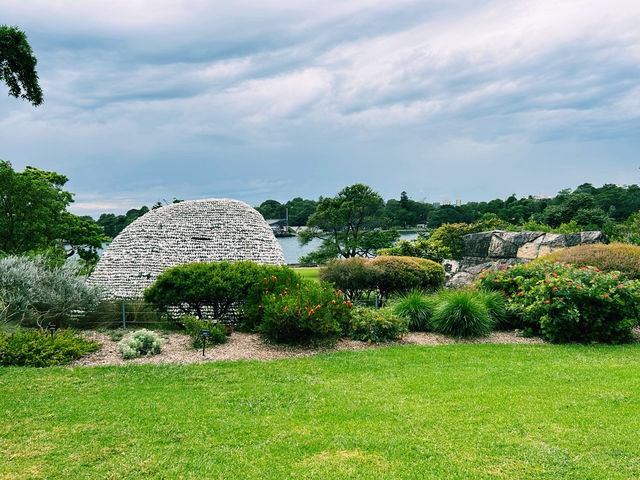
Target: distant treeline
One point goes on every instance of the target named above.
(587, 206)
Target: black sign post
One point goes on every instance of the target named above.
(52, 329)
(204, 334)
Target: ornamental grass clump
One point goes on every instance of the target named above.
(140, 343)
(461, 313)
(417, 308)
(563, 303)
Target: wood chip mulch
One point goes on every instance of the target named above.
(248, 346)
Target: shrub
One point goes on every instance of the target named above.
(309, 313)
(37, 291)
(272, 280)
(213, 290)
(400, 275)
(461, 313)
(193, 325)
(417, 308)
(567, 304)
(354, 276)
(139, 343)
(36, 348)
(382, 325)
(619, 257)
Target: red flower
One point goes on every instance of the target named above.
(286, 309)
(578, 287)
(554, 288)
(546, 280)
(546, 301)
(519, 293)
(620, 285)
(606, 295)
(554, 274)
(615, 276)
(504, 292)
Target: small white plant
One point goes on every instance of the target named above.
(140, 343)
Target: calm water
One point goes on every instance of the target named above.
(292, 250)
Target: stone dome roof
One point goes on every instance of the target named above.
(209, 230)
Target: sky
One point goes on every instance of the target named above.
(150, 100)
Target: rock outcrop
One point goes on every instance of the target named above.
(490, 250)
(210, 230)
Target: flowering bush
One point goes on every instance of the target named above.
(273, 280)
(567, 304)
(381, 325)
(140, 342)
(308, 313)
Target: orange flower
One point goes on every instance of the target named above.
(286, 309)
(606, 295)
(546, 301)
(333, 301)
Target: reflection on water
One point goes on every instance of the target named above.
(292, 250)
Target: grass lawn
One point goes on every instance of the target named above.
(459, 411)
(310, 273)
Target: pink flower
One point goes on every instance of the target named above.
(519, 293)
(620, 285)
(546, 301)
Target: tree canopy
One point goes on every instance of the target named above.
(34, 216)
(345, 224)
(18, 65)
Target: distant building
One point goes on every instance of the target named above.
(446, 202)
(458, 202)
(436, 204)
(541, 197)
(421, 226)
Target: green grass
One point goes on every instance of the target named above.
(460, 411)
(309, 273)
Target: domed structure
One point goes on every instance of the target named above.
(211, 230)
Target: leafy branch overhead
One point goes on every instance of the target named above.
(18, 65)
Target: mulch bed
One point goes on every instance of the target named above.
(250, 346)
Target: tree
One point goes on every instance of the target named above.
(34, 217)
(345, 223)
(18, 65)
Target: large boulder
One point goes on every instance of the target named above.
(498, 248)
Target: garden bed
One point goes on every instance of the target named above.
(250, 346)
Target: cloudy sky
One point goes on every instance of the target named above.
(471, 99)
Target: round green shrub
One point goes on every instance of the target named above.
(353, 276)
(140, 343)
(215, 290)
(36, 348)
(400, 275)
(461, 313)
(383, 325)
(417, 308)
(614, 257)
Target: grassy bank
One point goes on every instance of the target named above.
(309, 273)
(462, 411)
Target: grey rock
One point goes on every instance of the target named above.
(460, 279)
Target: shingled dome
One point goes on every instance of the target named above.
(210, 230)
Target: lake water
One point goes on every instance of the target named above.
(292, 250)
